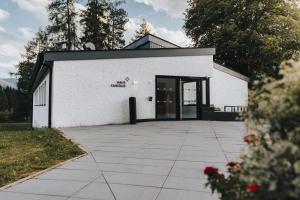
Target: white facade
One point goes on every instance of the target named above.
(41, 104)
(227, 90)
(83, 96)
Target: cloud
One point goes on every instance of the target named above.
(2, 29)
(6, 68)
(178, 37)
(27, 33)
(8, 50)
(173, 8)
(3, 14)
(35, 7)
(38, 8)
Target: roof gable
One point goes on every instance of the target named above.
(151, 42)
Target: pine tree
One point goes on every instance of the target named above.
(94, 23)
(143, 30)
(117, 18)
(25, 67)
(23, 104)
(62, 28)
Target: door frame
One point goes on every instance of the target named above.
(200, 104)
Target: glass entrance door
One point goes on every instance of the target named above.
(189, 103)
(166, 98)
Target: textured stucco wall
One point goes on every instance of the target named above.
(40, 113)
(227, 90)
(82, 94)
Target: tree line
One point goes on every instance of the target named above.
(10, 105)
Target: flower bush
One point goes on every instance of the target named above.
(270, 167)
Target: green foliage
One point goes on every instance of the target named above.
(25, 152)
(8, 103)
(143, 30)
(252, 37)
(5, 116)
(94, 22)
(104, 24)
(270, 168)
(62, 28)
(23, 97)
(116, 18)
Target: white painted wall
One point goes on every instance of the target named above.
(228, 90)
(82, 94)
(40, 113)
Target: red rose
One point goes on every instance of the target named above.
(253, 187)
(221, 175)
(250, 139)
(210, 170)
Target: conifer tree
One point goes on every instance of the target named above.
(117, 18)
(62, 28)
(23, 107)
(143, 30)
(94, 23)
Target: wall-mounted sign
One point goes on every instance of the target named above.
(120, 84)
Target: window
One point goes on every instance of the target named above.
(39, 96)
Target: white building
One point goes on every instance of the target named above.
(83, 88)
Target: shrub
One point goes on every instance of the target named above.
(5, 116)
(270, 167)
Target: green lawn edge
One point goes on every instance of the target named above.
(26, 152)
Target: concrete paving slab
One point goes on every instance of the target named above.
(95, 190)
(130, 192)
(22, 196)
(70, 175)
(168, 194)
(141, 169)
(48, 187)
(182, 183)
(135, 179)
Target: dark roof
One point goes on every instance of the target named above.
(153, 41)
(126, 53)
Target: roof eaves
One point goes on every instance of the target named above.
(126, 53)
(230, 72)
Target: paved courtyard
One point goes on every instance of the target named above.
(147, 161)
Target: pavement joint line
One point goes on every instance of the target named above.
(184, 139)
(132, 164)
(216, 135)
(36, 194)
(74, 193)
(102, 174)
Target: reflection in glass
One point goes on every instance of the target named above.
(189, 100)
(166, 98)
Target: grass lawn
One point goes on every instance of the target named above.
(24, 151)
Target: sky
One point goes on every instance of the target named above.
(20, 19)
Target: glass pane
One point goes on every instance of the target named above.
(166, 98)
(189, 101)
(204, 92)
